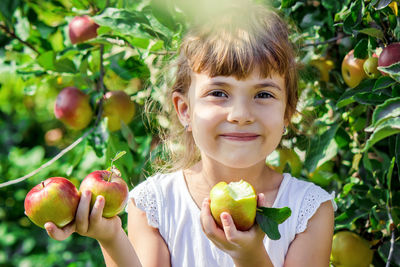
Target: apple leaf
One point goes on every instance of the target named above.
(387, 128)
(270, 218)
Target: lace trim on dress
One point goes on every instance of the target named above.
(311, 202)
(145, 200)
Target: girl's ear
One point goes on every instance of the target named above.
(181, 105)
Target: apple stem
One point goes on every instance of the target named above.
(43, 184)
(109, 177)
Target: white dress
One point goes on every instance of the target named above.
(169, 207)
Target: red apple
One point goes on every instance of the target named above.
(53, 200)
(352, 70)
(118, 107)
(111, 186)
(390, 55)
(82, 29)
(72, 108)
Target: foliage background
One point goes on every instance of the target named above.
(139, 38)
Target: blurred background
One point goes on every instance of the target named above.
(347, 138)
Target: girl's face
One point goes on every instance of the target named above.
(237, 123)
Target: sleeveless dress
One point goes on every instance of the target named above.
(169, 207)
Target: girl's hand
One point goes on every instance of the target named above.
(242, 246)
(91, 224)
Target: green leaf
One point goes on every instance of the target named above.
(383, 82)
(65, 65)
(374, 32)
(162, 12)
(387, 128)
(382, 4)
(46, 60)
(361, 49)
(393, 70)
(124, 22)
(119, 155)
(349, 96)
(322, 148)
(270, 218)
(287, 3)
(7, 9)
(390, 174)
(389, 109)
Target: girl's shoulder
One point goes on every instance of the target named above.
(154, 194)
(304, 198)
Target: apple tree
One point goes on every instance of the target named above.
(76, 78)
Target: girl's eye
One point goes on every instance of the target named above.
(264, 95)
(218, 94)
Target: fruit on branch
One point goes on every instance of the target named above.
(324, 66)
(239, 199)
(81, 29)
(53, 200)
(350, 249)
(389, 55)
(111, 186)
(352, 70)
(72, 108)
(118, 107)
(371, 67)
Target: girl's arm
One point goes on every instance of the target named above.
(119, 251)
(147, 241)
(313, 246)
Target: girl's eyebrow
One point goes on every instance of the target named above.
(256, 86)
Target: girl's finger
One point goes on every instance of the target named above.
(97, 211)
(82, 213)
(231, 233)
(59, 233)
(210, 228)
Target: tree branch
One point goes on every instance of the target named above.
(59, 155)
(13, 35)
(392, 238)
(334, 39)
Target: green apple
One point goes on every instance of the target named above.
(350, 250)
(53, 200)
(352, 70)
(371, 67)
(239, 199)
(109, 185)
(118, 107)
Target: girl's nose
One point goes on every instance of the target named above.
(240, 113)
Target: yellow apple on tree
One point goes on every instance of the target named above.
(118, 107)
(353, 70)
(324, 66)
(72, 108)
(350, 250)
(239, 199)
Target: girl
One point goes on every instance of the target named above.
(234, 95)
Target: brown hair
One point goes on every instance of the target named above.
(234, 43)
